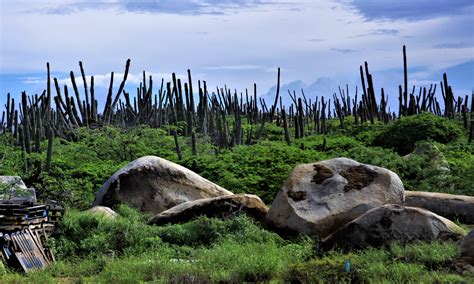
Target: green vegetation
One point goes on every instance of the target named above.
(80, 168)
(92, 248)
(403, 134)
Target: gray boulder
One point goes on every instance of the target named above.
(217, 207)
(451, 206)
(393, 223)
(434, 157)
(319, 198)
(104, 211)
(13, 189)
(152, 184)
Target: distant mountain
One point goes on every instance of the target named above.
(323, 86)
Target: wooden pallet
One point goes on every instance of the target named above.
(21, 212)
(17, 216)
(24, 228)
(24, 250)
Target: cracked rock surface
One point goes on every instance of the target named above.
(319, 198)
(152, 184)
(393, 223)
(216, 207)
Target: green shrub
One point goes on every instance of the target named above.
(413, 263)
(85, 234)
(251, 261)
(402, 134)
(430, 254)
(336, 145)
(376, 156)
(329, 269)
(257, 169)
(207, 231)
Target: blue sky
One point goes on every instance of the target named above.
(318, 44)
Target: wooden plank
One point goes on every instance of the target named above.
(22, 221)
(27, 250)
(31, 208)
(30, 250)
(37, 241)
(24, 261)
(7, 254)
(36, 253)
(23, 255)
(28, 227)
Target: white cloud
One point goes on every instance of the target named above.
(103, 80)
(236, 67)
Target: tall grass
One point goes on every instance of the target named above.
(94, 249)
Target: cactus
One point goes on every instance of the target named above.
(178, 148)
(405, 79)
(285, 126)
(49, 154)
(210, 115)
(119, 92)
(193, 143)
(300, 123)
(26, 123)
(272, 112)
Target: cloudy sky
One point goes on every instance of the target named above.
(318, 44)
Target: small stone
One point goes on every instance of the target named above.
(103, 210)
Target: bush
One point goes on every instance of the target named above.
(96, 249)
(83, 234)
(402, 134)
(412, 263)
(207, 231)
(257, 169)
(430, 254)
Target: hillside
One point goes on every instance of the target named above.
(94, 249)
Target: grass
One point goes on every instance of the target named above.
(94, 249)
(414, 263)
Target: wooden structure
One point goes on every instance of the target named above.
(24, 230)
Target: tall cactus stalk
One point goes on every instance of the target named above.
(119, 92)
(193, 143)
(272, 111)
(49, 154)
(285, 126)
(405, 78)
(26, 123)
(87, 108)
(178, 147)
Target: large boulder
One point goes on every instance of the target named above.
(393, 223)
(14, 190)
(451, 206)
(431, 154)
(217, 207)
(467, 247)
(103, 211)
(318, 198)
(152, 184)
